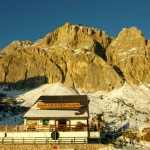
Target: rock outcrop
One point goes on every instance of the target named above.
(129, 54)
(77, 37)
(80, 57)
(73, 55)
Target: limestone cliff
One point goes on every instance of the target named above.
(72, 54)
(129, 54)
(77, 37)
(80, 57)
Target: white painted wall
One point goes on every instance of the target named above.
(25, 121)
(40, 122)
(44, 134)
(2, 134)
(68, 122)
(57, 122)
(52, 122)
(94, 134)
(73, 134)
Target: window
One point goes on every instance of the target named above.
(45, 122)
(63, 122)
(31, 122)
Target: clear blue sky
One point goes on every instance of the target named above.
(32, 19)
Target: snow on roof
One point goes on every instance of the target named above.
(37, 113)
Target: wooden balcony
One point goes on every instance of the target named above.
(43, 128)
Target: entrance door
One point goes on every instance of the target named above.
(62, 124)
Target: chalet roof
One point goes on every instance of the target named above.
(37, 113)
(82, 112)
(82, 99)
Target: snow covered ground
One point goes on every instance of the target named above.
(129, 104)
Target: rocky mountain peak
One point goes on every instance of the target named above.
(77, 37)
(133, 36)
(130, 53)
(16, 45)
(80, 57)
(72, 54)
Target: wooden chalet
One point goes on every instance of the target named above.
(59, 113)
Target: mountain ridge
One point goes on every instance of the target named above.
(77, 56)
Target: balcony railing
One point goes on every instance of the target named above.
(43, 128)
(43, 140)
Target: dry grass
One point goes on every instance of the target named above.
(145, 137)
(138, 137)
(61, 147)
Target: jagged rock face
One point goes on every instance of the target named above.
(77, 37)
(70, 55)
(75, 55)
(28, 67)
(130, 54)
(33, 66)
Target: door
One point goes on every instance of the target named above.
(62, 124)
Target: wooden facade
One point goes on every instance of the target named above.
(58, 113)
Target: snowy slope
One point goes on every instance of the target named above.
(26, 98)
(127, 105)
